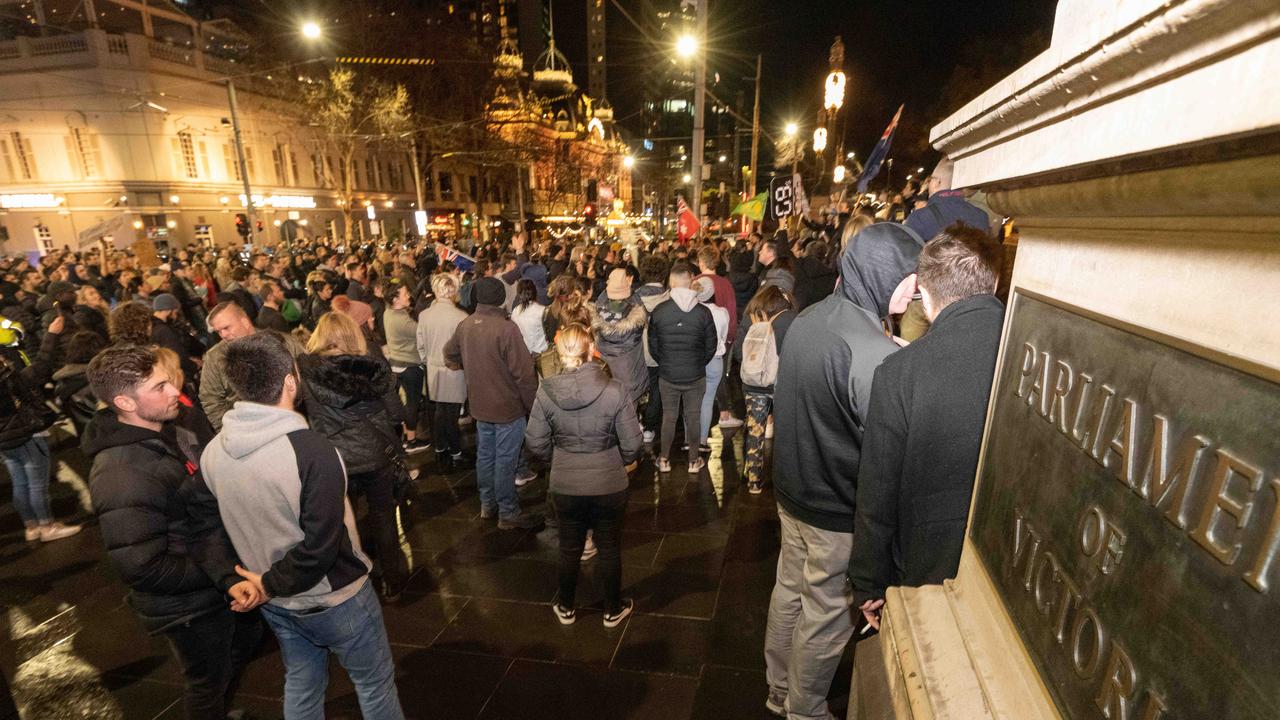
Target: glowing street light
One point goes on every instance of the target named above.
(687, 46)
(834, 97)
(723, 158)
(311, 30)
(628, 162)
(687, 178)
(791, 129)
(819, 139)
(851, 155)
(837, 175)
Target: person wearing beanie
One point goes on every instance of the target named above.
(501, 385)
(168, 331)
(617, 326)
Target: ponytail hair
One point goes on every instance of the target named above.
(573, 345)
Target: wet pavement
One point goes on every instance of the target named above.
(473, 635)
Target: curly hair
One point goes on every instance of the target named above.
(131, 324)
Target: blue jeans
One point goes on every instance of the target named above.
(715, 371)
(497, 455)
(28, 466)
(354, 632)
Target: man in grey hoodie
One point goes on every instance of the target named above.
(282, 495)
(824, 385)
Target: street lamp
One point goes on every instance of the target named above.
(311, 30)
(791, 129)
(628, 162)
(837, 175)
(687, 179)
(723, 158)
(851, 155)
(834, 97)
(819, 139)
(687, 46)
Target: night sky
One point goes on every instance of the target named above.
(932, 56)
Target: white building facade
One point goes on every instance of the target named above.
(96, 124)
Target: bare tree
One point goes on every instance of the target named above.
(354, 114)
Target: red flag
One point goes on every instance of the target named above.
(686, 221)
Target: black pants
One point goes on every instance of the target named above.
(673, 396)
(212, 650)
(378, 487)
(411, 381)
(603, 515)
(652, 417)
(445, 433)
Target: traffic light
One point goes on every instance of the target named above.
(589, 213)
(242, 225)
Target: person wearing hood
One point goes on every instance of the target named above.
(281, 489)
(682, 340)
(716, 368)
(162, 530)
(618, 320)
(653, 272)
(585, 424)
(351, 398)
(924, 429)
(537, 273)
(821, 397)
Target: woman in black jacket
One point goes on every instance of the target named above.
(583, 422)
(24, 418)
(351, 398)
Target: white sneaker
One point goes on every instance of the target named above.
(525, 479)
(57, 531)
(648, 437)
(730, 422)
(776, 703)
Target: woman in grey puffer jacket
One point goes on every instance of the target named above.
(584, 422)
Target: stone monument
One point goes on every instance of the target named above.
(1121, 557)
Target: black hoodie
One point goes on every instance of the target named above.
(159, 522)
(824, 379)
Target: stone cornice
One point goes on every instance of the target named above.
(1057, 93)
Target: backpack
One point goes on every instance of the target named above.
(760, 355)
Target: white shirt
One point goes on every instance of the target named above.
(529, 320)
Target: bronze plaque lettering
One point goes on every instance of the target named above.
(1128, 510)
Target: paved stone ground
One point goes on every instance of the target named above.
(473, 637)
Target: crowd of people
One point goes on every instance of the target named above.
(237, 405)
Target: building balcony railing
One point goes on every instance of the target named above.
(92, 48)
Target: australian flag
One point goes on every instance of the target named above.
(447, 254)
(877, 156)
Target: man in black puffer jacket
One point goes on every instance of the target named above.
(161, 528)
(682, 339)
